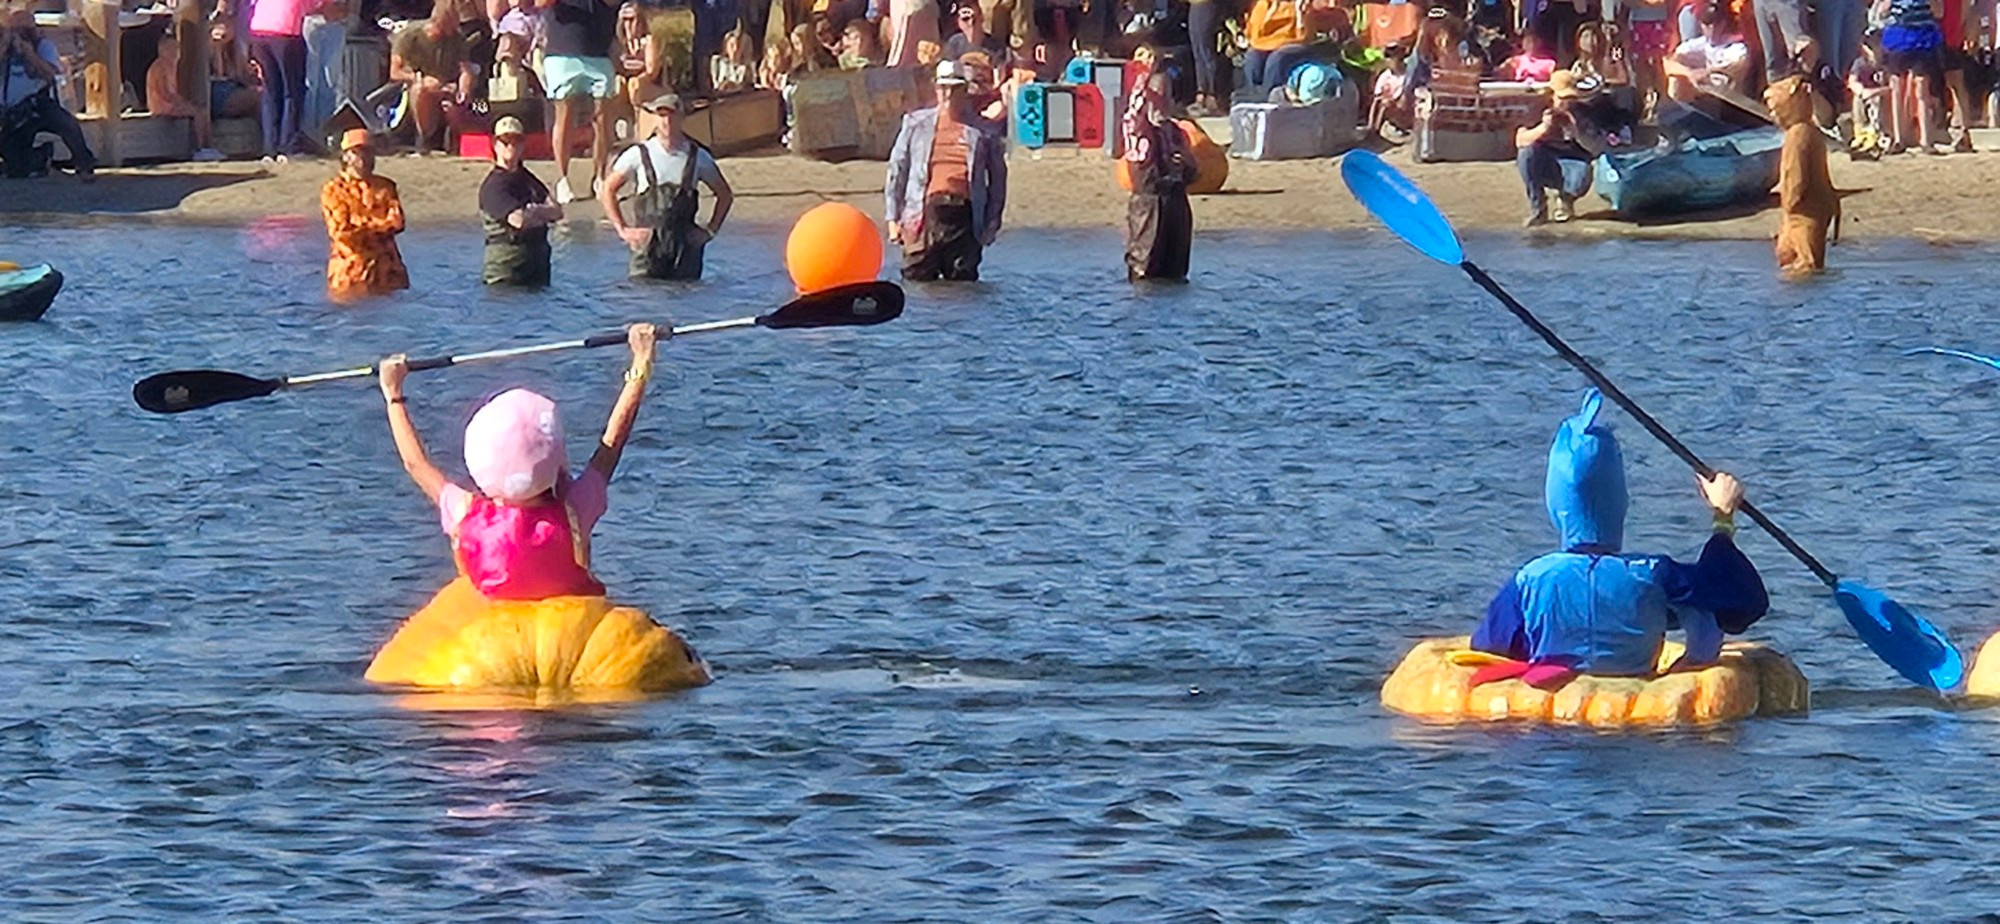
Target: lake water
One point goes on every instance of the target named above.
(1052, 600)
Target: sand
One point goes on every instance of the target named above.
(1942, 198)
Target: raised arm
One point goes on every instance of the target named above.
(409, 445)
(643, 340)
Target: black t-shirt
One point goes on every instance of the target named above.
(958, 46)
(580, 28)
(505, 192)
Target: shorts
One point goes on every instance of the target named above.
(1652, 38)
(1922, 63)
(566, 77)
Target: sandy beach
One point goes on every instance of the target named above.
(1943, 198)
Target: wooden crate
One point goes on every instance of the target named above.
(738, 122)
(848, 115)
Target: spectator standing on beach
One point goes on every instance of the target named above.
(972, 35)
(232, 90)
(664, 175)
(364, 213)
(641, 66)
(577, 72)
(429, 58)
(278, 44)
(326, 41)
(1912, 46)
(1839, 24)
(1781, 26)
(516, 211)
(947, 185)
(910, 22)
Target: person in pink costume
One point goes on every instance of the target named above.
(524, 533)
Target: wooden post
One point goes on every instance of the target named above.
(191, 28)
(103, 78)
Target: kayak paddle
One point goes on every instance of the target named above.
(1902, 639)
(846, 306)
(1961, 354)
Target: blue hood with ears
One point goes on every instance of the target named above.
(1585, 488)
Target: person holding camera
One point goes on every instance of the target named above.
(28, 105)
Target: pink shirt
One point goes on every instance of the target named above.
(279, 17)
(587, 496)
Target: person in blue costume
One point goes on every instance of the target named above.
(1592, 608)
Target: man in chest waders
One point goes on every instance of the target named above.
(660, 177)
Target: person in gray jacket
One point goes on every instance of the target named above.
(947, 185)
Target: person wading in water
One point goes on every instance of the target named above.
(516, 210)
(947, 185)
(664, 173)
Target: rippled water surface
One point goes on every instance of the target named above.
(1050, 601)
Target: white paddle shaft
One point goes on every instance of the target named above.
(360, 371)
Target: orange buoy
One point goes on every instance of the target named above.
(833, 244)
(1211, 162)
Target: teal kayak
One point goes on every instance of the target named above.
(27, 292)
(1739, 168)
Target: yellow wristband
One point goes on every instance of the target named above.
(1725, 523)
(636, 374)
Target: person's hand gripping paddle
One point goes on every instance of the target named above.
(847, 306)
(1902, 639)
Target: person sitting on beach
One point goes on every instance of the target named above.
(430, 59)
(1533, 65)
(860, 46)
(1868, 90)
(730, 71)
(1589, 607)
(1718, 57)
(522, 532)
(808, 55)
(516, 210)
(1389, 108)
(364, 213)
(164, 97)
(516, 35)
(1596, 56)
(1555, 153)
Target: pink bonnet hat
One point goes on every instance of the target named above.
(514, 446)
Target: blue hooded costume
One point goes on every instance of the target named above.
(1592, 609)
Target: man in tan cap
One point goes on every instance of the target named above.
(660, 176)
(363, 216)
(1555, 153)
(516, 210)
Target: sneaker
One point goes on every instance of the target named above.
(596, 187)
(1964, 145)
(1937, 150)
(564, 195)
(1564, 210)
(1536, 220)
(207, 156)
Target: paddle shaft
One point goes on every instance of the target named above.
(1638, 413)
(440, 362)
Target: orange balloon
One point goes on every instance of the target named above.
(833, 244)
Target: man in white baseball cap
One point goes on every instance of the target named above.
(947, 184)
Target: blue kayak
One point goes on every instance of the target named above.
(27, 292)
(1738, 168)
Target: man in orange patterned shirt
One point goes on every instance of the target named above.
(363, 217)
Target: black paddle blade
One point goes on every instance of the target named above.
(846, 306)
(174, 392)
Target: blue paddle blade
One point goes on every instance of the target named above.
(1961, 354)
(1902, 639)
(1400, 205)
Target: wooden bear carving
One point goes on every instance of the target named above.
(1808, 203)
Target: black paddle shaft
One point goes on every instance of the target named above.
(1638, 413)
